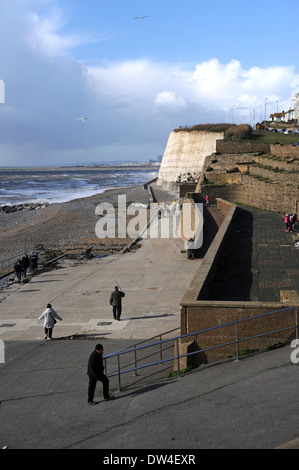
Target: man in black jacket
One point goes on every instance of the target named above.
(95, 372)
(115, 301)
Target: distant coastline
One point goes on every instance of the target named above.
(112, 166)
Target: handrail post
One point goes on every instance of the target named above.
(161, 349)
(296, 314)
(178, 356)
(118, 366)
(135, 359)
(237, 342)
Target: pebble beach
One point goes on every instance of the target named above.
(69, 227)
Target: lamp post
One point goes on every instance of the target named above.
(265, 108)
(254, 117)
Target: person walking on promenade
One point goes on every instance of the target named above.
(95, 372)
(207, 201)
(18, 269)
(189, 248)
(286, 221)
(116, 302)
(292, 221)
(49, 316)
(25, 263)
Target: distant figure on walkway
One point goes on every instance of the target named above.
(166, 210)
(174, 206)
(18, 270)
(49, 316)
(25, 263)
(116, 302)
(292, 221)
(286, 221)
(95, 372)
(190, 250)
(207, 201)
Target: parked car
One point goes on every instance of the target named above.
(274, 130)
(282, 131)
(288, 132)
(296, 144)
(296, 131)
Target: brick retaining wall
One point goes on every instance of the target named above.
(242, 147)
(256, 193)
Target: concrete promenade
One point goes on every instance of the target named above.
(153, 277)
(249, 404)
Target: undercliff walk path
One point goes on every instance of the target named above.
(154, 278)
(246, 404)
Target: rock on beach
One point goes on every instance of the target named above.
(22, 207)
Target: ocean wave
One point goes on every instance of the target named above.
(55, 187)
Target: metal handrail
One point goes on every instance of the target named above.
(122, 370)
(133, 348)
(141, 342)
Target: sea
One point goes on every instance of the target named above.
(63, 184)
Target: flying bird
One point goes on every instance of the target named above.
(141, 17)
(81, 118)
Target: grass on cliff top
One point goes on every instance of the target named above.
(205, 127)
(272, 138)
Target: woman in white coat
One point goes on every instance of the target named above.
(49, 316)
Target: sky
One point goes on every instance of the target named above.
(136, 79)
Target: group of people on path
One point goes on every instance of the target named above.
(289, 220)
(21, 267)
(49, 315)
(95, 367)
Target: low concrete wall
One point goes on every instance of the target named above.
(200, 314)
(285, 151)
(203, 315)
(185, 188)
(200, 285)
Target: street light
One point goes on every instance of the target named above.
(265, 108)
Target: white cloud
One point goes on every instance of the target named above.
(169, 99)
(44, 35)
(131, 104)
(229, 83)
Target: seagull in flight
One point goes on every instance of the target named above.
(141, 17)
(81, 118)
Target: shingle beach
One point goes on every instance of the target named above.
(65, 227)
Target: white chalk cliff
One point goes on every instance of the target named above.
(185, 154)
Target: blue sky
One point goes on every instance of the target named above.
(136, 80)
